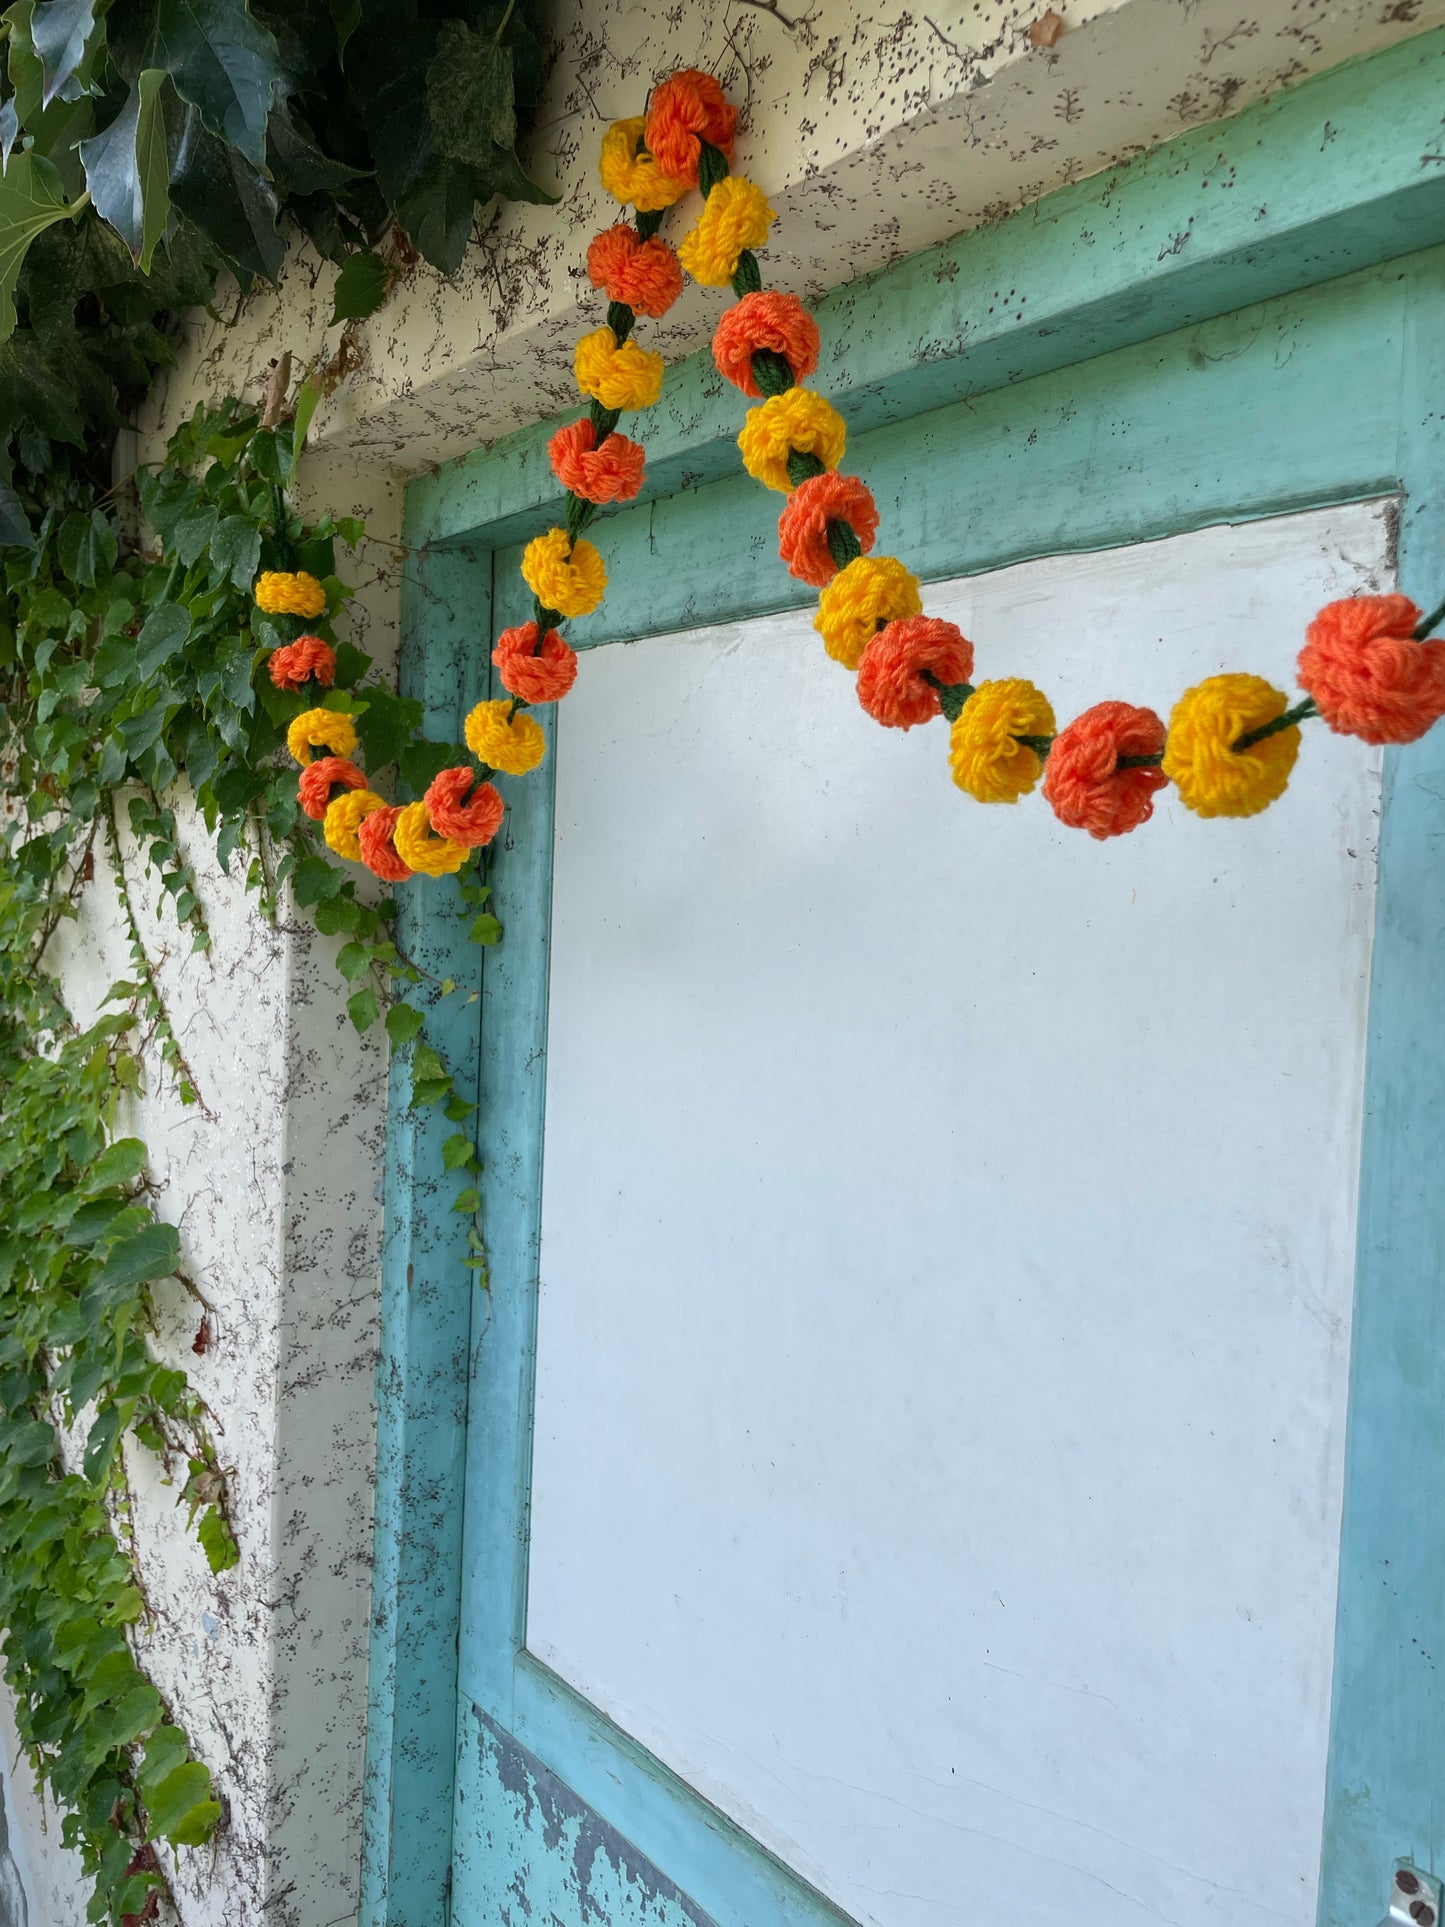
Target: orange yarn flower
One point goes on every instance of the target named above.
(474, 822)
(1083, 783)
(1368, 675)
(776, 321)
(320, 778)
(299, 662)
(538, 673)
(803, 524)
(687, 108)
(645, 275)
(611, 473)
(890, 675)
(378, 852)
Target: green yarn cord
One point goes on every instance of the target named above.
(802, 465)
(843, 544)
(712, 167)
(747, 277)
(772, 372)
(1286, 721)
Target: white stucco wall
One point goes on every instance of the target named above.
(876, 132)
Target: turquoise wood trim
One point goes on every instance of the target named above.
(1337, 174)
(426, 1315)
(1010, 437)
(1386, 1792)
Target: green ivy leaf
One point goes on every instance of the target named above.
(457, 1151)
(180, 1809)
(223, 63)
(61, 30)
(31, 200)
(127, 169)
(15, 529)
(121, 1162)
(486, 929)
(236, 550)
(146, 1255)
(162, 633)
(100, 1443)
(86, 547)
(230, 201)
(469, 95)
(402, 1023)
(166, 1749)
(352, 961)
(217, 1540)
(362, 1009)
(363, 284)
(468, 1200)
(386, 727)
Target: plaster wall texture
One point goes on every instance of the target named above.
(876, 132)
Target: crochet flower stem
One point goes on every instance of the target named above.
(1421, 631)
(1286, 721)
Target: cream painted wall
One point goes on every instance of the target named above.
(876, 132)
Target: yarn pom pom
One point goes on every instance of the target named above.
(378, 851)
(611, 473)
(537, 671)
(803, 524)
(985, 754)
(473, 822)
(1214, 778)
(1368, 675)
(777, 322)
(318, 779)
(687, 108)
(891, 684)
(645, 275)
(874, 590)
(302, 661)
(1083, 783)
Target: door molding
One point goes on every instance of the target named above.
(1251, 271)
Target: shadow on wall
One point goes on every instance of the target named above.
(14, 1910)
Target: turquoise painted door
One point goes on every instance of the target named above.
(531, 1756)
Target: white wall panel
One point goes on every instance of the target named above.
(946, 1260)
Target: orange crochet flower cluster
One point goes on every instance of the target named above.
(1231, 742)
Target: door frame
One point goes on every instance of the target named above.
(1283, 226)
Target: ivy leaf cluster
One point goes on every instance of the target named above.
(81, 1254)
(149, 146)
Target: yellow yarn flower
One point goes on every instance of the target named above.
(279, 593)
(417, 844)
(734, 216)
(344, 817)
(631, 174)
(1212, 777)
(795, 419)
(328, 729)
(564, 575)
(985, 758)
(512, 744)
(871, 591)
(625, 377)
